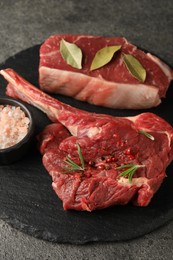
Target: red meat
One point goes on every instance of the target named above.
(106, 142)
(111, 85)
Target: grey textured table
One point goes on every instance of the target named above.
(149, 24)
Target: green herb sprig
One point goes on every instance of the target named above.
(72, 166)
(151, 137)
(131, 169)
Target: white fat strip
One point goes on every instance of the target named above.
(52, 53)
(94, 131)
(132, 96)
(135, 181)
(118, 95)
(164, 67)
(91, 132)
(73, 129)
(83, 36)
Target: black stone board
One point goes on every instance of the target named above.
(28, 203)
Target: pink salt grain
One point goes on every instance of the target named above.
(13, 125)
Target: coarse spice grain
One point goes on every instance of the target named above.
(14, 125)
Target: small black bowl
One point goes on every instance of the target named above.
(16, 152)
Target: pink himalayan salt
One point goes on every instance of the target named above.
(13, 125)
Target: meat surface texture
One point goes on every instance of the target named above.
(111, 85)
(106, 142)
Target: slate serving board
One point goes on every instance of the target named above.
(28, 203)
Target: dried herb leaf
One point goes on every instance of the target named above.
(146, 134)
(71, 53)
(134, 67)
(104, 56)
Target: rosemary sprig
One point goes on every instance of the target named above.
(130, 171)
(146, 134)
(71, 165)
(80, 156)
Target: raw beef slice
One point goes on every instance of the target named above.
(110, 86)
(106, 142)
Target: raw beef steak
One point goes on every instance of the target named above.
(111, 85)
(105, 143)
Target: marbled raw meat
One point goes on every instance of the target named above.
(106, 142)
(111, 85)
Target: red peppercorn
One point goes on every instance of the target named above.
(91, 163)
(131, 157)
(114, 159)
(127, 151)
(108, 159)
(101, 167)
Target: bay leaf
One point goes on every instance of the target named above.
(134, 67)
(104, 56)
(71, 53)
